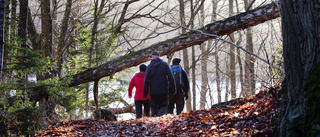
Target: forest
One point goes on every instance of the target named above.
(253, 66)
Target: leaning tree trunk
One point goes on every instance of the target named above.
(301, 46)
(219, 28)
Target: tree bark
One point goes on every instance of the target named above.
(216, 57)
(194, 95)
(249, 63)
(95, 93)
(232, 58)
(48, 105)
(184, 51)
(204, 74)
(63, 30)
(240, 67)
(222, 27)
(97, 16)
(92, 42)
(2, 5)
(22, 31)
(46, 22)
(301, 46)
(13, 25)
(248, 66)
(193, 69)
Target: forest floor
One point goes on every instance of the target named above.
(251, 116)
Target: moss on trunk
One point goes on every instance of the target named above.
(313, 98)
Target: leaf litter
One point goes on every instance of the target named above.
(256, 115)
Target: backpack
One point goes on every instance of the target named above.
(177, 76)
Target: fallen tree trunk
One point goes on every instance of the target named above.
(219, 28)
(127, 109)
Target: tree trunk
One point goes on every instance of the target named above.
(13, 26)
(194, 95)
(238, 57)
(232, 58)
(301, 46)
(95, 93)
(204, 77)
(223, 27)
(22, 34)
(227, 76)
(249, 65)
(11, 23)
(46, 22)
(34, 36)
(5, 34)
(204, 74)
(48, 105)
(22, 31)
(185, 51)
(240, 67)
(216, 57)
(2, 5)
(87, 99)
(62, 39)
(188, 101)
(252, 82)
(93, 35)
(96, 14)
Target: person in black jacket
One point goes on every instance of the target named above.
(159, 81)
(181, 93)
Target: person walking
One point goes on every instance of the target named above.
(139, 100)
(182, 88)
(159, 81)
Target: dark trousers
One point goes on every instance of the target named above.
(146, 105)
(176, 100)
(159, 104)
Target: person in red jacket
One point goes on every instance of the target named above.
(139, 100)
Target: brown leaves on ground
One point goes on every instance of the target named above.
(253, 116)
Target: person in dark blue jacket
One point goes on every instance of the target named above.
(159, 81)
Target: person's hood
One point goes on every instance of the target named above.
(141, 74)
(155, 63)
